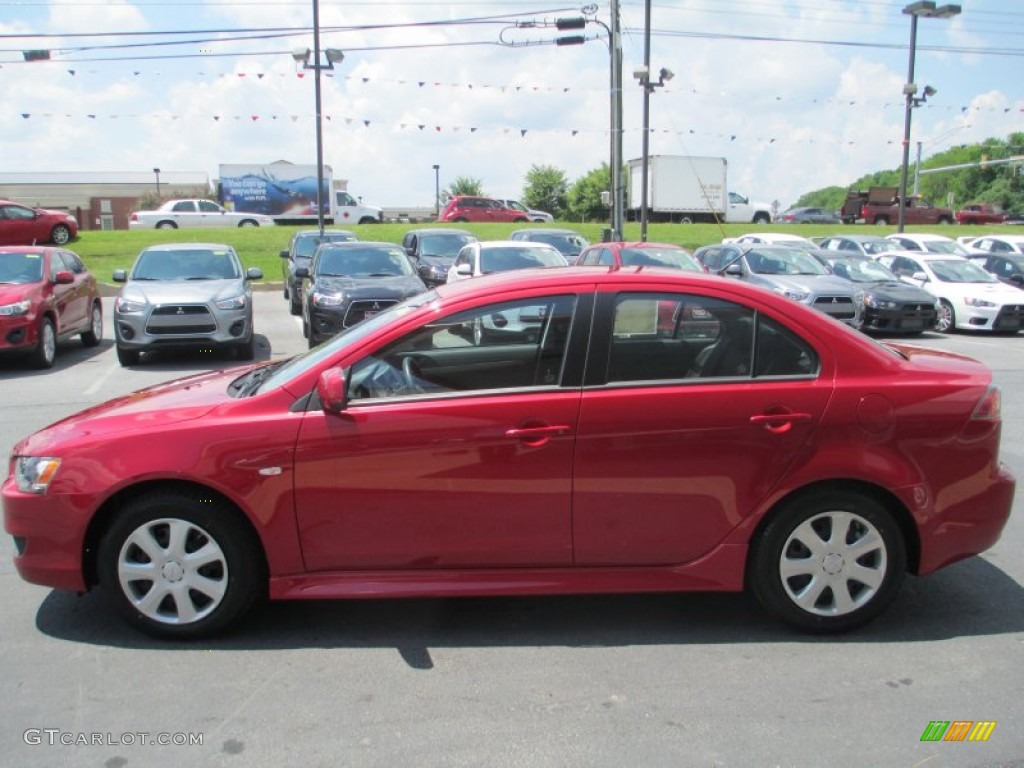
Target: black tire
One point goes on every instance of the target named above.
(762, 218)
(60, 234)
(248, 223)
(294, 304)
(93, 336)
(45, 352)
(369, 220)
(848, 575)
(246, 351)
(166, 225)
(881, 221)
(157, 589)
(127, 357)
(945, 322)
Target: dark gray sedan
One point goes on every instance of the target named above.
(349, 282)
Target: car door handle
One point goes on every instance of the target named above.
(779, 423)
(536, 436)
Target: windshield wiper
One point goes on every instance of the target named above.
(249, 383)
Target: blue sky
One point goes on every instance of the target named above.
(797, 95)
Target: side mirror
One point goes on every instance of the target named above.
(733, 270)
(465, 270)
(120, 276)
(63, 277)
(332, 389)
(302, 271)
(254, 273)
(284, 254)
(921, 276)
(1017, 279)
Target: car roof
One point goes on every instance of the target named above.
(920, 236)
(439, 231)
(29, 248)
(354, 244)
(316, 232)
(549, 231)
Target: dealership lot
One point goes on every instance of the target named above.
(649, 680)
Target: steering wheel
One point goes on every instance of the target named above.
(411, 372)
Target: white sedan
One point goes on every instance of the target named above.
(195, 213)
(929, 243)
(969, 297)
(998, 244)
(485, 257)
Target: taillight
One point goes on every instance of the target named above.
(989, 408)
(135, 217)
(864, 211)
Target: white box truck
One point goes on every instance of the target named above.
(287, 191)
(688, 189)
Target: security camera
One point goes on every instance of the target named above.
(910, 89)
(641, 74)
(300, 55)
(334, 56)
(666, 74)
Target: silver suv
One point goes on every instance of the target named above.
(787, 271)
(192, 295)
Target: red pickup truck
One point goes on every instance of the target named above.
(981, 213)
(879, 205)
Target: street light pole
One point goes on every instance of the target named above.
(156, 172)
(437, 191)
(334, 56)
(920, 9)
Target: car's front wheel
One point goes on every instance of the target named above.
(127, 357)
(178, 564)
(45, 352)
(828, 561)
(60, 234)
(166, 225)
(248, 223)
(946, 320)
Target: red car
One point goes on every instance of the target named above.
(784, 453)
(46, 295)
(639, 254)
(463, 208)
(21, 225)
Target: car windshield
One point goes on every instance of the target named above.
(307, 245)
(960, 271)
(362, 262)
(676, 258)
(507, 259)
(21, 267)
(186, 264)
(567, 245)
(945, 246)
(862, 270)
(784, 262)
(447, 244)
(877, 246)
(300, 364)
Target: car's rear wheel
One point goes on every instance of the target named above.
(248, 223)
(166, 225)
(60, 234)
(45, 351)
(945, 322)
(180, 564)
(460, 219)
(762, 218)
(828, 561)
(127, 357)
(92, 337)
(882, 220)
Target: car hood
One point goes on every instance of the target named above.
(810, 283)
(147, 410)
(14, 292)
(998, 292)
(897, 291)
(183, 291)
(396, 287)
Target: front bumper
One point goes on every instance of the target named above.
(910, 318)
(186, 325)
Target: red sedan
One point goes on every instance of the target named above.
(639, 254)
(21, 225)
(46, 295)
(753, 444)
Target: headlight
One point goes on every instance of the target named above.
(436, 271)
(15, 309)
(877, 303)
(33, 474)
(328, 299)
(236, 302)
(128, 307)
(789, 293)
(979, 303)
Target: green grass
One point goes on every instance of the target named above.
(105, 251)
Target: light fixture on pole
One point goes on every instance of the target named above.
(437, 191)
(334, 56)
(644, 76)
(156, 172)
(921, 9)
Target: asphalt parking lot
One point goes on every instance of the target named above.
(662, 680)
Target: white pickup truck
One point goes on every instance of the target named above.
(195, 213)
